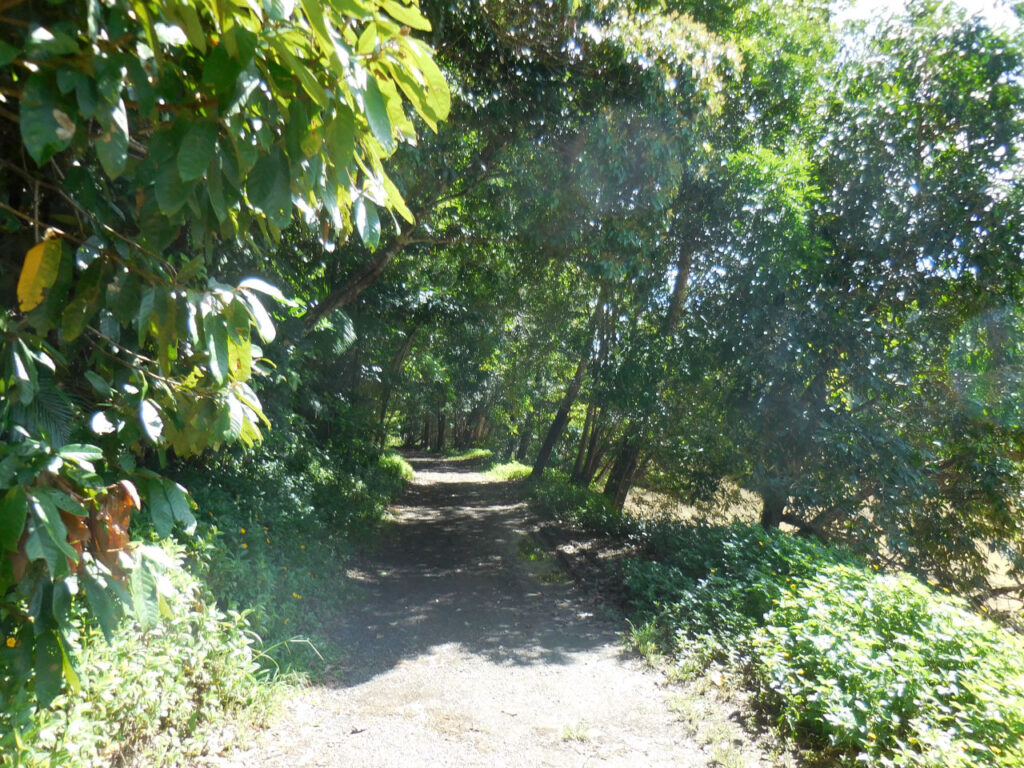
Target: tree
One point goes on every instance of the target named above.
(146, 138)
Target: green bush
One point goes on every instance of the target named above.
(865, 668)
(152, 694)
(888, 670)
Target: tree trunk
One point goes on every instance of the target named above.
(561, 419)
(525, 438)
(439, 445)
(774, 498)
(426, 432)
(581, 452)
(620, 479)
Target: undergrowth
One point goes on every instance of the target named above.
(152, 695)
(276, 528)
(242, 600)
(860, 667)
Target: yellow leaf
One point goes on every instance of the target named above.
(38, 274)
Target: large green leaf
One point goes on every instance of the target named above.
(102, 605)
(269, 187)
(49, 666)
(216, 329)
(112, 143)
(46, 128)
(171, 191)
(13, 512)
(409, 15)
(367, 221)
(377, 114)
(197, 150)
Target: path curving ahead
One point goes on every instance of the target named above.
(464, 651)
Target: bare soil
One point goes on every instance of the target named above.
(472, 645)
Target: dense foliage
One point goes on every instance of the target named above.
(713, 250)
(863, 667)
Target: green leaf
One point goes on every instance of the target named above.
(406, 14)
(42, 43)
(197, 150)
(26, 378)
(180, 509)
(144, 598)
(260, 317)
(341, 137)
(367, 222)
(152, 424)
(309, 82)
(112, 144)
(101, 605)
(49, 665)
(161, 511)
(76, 316)
(216, 329)
(46, 128)
(171, 191)
(438, 95)
(215, 188)
(8, 53)
(256, 284)
(13, 513)
(377, 114)
(269, 187)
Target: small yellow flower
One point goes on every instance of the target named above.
(268, 541)
(11, 642)
(287, 620)
(242, 530)
(244, 545)
(296, 595)
(302, 546)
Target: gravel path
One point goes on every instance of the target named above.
(469, 648)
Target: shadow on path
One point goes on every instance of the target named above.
(451, 569)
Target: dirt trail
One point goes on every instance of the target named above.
(465, 652)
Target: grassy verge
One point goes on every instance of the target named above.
(859, 667)
(511, 470)
(471, 454)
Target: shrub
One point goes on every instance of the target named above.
(866, 668)
(149, 694)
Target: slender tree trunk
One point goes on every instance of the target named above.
(581, 452)
(439, 446)
(525, 438)
(426, 432)
(595, 455)
(561, 419)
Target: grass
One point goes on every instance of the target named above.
(508, 471)
(858, 667)
(472, 454)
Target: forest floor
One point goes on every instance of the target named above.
(471, 645)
